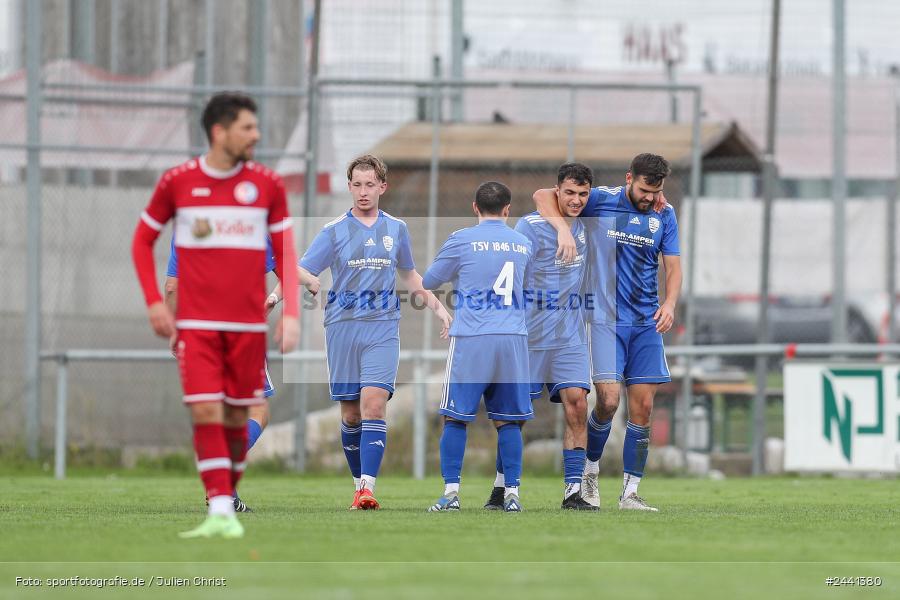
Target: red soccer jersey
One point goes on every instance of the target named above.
(221, 222)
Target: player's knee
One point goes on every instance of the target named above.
(260, 414)
(351, 415)
(639, 412)
(374, 410)
(235, 416)
(206, 412)
(607, 405)
(575, 406)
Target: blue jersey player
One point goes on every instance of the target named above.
(366, 250)
(631, 227)
(488, 354)
(557, 344)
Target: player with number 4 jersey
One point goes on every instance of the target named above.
(488, 355)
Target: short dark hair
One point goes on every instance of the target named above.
(652, 167)
(492, 197)
(579, 173)
(223, 109)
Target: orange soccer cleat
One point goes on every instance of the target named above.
(365, 500)
(355, 504)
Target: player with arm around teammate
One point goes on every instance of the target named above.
(557, 343)
(631, 226)
(367, 250)
(488, 356)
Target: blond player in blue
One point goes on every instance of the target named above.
(487, 265)
(366, 250)
(629, 227)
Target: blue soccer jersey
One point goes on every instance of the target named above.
(363, 262)
(553, 288)
(624, 247)
(172, 269)
(487, 265)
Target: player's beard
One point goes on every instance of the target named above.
(241, 155)
(246, 154)
(637, 205)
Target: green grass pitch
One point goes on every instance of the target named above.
(739, 538)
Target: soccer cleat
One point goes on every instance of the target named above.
(447, 502)
(590, 489)
(576, 502)
(495, 502)
(366, 500)
(355, 504)
(240, 507)
(226, 526)
(635, 502)
(511, 504)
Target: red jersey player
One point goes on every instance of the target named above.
(223, 204)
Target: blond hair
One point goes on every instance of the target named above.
(368, 162)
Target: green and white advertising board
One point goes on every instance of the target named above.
(842, 417)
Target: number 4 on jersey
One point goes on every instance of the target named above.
(503, 285)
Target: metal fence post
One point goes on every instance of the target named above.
(686, 396)
(33, 224)
(62, 398)
(420, 398)
(419, 410)
(570, 134)
(301, 392)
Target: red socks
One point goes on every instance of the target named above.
(213, 459)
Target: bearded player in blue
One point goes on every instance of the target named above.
(366, 250)
(628, 228)
(488, 357)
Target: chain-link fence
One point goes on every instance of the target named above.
(115, 117)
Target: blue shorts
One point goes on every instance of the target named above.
(268, 389)
(494, 366)
(629, 353)
(558, 369)
(360, 354)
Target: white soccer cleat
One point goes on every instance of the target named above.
(635, 502)
(590, 489)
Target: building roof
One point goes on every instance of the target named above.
(546, 145)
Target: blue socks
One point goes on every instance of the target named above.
(509, 441)
(372, 442)
(597, 434)
(453, 448)
(573, 465)
(350, 441)
(634, 453)
(254, 430)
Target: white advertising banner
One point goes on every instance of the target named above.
(842, 417)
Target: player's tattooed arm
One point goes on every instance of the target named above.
(413, 282)
(665, 315)
(660, 203)
(547, 204)
(172, 293)
(172, 302)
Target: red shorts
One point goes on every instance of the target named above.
(224, 366)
